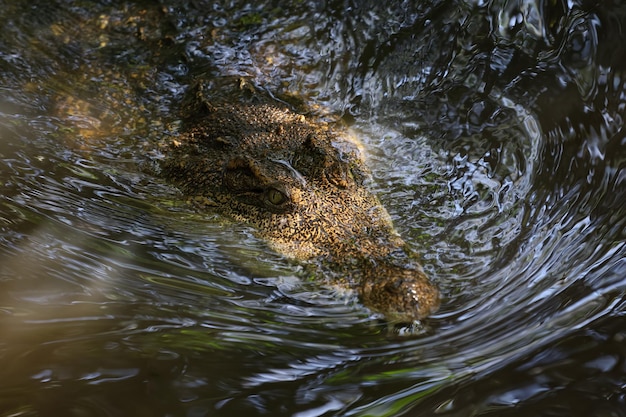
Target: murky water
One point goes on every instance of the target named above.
(495, 132)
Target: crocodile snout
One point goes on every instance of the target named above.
(406, 297)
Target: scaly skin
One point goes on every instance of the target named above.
(301, 184)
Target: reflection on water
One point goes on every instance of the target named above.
(494, 130)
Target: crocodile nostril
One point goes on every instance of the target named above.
(394, 285)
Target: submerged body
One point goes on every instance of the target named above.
(301, 184)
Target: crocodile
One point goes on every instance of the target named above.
(302, 183)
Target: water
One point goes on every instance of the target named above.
(495, 135)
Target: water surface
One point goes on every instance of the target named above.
(495, 133)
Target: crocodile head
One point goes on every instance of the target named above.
(303, 185)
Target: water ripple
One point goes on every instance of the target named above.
(494, 130)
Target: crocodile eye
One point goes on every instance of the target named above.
(275, 197)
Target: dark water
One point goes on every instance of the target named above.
(495, 131)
